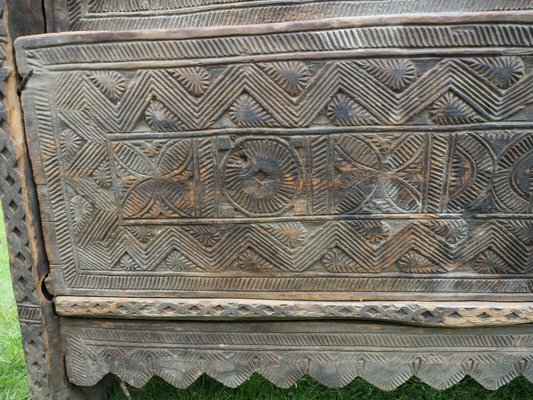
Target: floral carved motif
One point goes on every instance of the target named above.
(180, 175)
(154, 179)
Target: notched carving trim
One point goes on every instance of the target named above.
(333, 369)
(384, 356)
(449, 314)
(127, 14)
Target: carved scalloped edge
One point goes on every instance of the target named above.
(333, 353)
(284, 369)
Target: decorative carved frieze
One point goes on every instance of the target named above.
(404, 175)
(333, 354)
(449, 314)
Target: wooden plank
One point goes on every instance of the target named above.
(333, 353)
(86, 15)
(450, 314)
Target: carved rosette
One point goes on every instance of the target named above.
(262, 176)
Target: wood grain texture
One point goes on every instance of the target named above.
(176, 172)
(332, 353)
(26, 18)
(448, 314)
(93, 15)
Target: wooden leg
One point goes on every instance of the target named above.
(29, 267)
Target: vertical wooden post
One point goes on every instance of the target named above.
(29, 267)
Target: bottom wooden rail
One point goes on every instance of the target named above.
(333, 353)
(451, 314)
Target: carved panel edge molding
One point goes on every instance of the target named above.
(94, 15)
(333, 354)
(446, 314)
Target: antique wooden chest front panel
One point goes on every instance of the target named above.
(353, 159)
(213, 183)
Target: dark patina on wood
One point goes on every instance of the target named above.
(332, 353)
(177, 172)
(374, 167)
(98, 15)
(39, 324)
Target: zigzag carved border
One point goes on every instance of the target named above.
(426, 238)
(283, 353)
(76, 92)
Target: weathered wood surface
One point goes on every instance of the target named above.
(256, 172)
(41, 338)
(332, 353)
(288, 163)
(26, 17)
(448, 314)
(112, 15)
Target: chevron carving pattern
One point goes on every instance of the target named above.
(164, 14)
(452, 92)
(369, 176)
(447, 314)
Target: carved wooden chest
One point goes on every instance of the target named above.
(337, 189)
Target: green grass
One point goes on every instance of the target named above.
(13, 378)
(259, 388)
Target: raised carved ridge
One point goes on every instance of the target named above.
(447, 314)
(184, 48)
(164, 14)
(284, 353)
